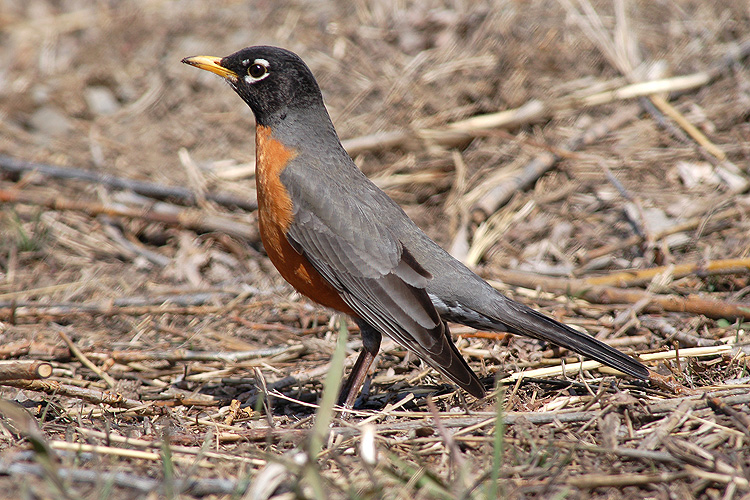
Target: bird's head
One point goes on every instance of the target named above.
(270, 80)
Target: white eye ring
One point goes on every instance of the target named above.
(256, 71)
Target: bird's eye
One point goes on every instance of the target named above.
(257, 70)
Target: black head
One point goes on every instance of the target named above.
(271, 80)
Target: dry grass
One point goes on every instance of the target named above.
(604, 147)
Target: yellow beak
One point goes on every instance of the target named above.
(212, 64)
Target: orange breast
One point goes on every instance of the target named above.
(275, 217)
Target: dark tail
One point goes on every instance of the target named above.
(458, 370)
(520, 319)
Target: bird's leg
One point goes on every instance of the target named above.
(357, 377)
(370, 346)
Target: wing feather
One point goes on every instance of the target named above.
(394, 301)
(340, 228)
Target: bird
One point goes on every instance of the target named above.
(341, 241)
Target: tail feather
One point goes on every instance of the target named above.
(458, 370)
(536, 325)
(510, 316)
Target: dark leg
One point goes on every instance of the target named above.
(370, 346)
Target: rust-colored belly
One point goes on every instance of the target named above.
(275, 217)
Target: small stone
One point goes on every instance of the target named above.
(694, 173)
(101, 100)
(50, 121)
(40, 94)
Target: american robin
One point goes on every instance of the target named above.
(342, 242)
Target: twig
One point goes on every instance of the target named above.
(669, 332)
(178, 299)
(194, 219)
(15, 349)
(26, 370)
(742, 419)
(36, 350)
(610, 295)
(693, 454)
(195, 487)
(186, 303)
(552, 371)
(490, 230)
(681, 413)
(573, 368)
(716, 477)
(120, 452)
(42, 290)
(640, 89)
(510, 418)
(621, 480)
(89, 395)
(701, 269)
(86, 361)
(288, 352)
(305, 376)
(130, 247)
(452, 134)
(152, 190)
(253, 435)
(657, 456)
(61, 311)
(698, 136)
(389, 408)
(730, 397)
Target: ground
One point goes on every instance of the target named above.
(183, 365)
